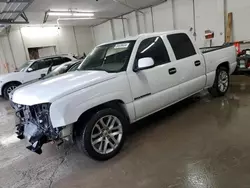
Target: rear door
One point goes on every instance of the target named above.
(154, 88)
(191, 63)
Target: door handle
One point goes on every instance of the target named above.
(172, 71)
(197, 63)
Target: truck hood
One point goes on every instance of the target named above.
(51, 89)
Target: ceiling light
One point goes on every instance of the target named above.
(59, 10)
(59, 13)
(87, 18)
(83, 14)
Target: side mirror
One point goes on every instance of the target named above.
(29, 70)
(42, 75)
(145, 63)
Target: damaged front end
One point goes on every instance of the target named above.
(35, 125)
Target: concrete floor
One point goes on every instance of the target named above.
(199, 143)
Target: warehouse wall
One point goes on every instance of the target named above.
(14, 47)
(241, 15)
(172, 14)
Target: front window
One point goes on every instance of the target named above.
(74, 67)
(59, 70)
(24, 66)
(110, 57)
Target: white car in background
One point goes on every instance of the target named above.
(118, 84)
(29, 71)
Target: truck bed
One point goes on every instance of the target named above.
(213, 48)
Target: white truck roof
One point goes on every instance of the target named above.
(145, 35)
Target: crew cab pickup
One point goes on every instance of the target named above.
(118, 84)
(29, 71)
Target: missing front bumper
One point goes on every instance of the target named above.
(37, 137)
(34, 135)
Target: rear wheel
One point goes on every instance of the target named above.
(9, 88)
(221, 83)
(102, 137)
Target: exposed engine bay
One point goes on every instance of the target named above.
(34, 124)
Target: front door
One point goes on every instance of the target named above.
(157, 87)
(39, 67)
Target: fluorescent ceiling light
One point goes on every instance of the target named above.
(59, 10)
(59, 13)
(83, 14)
(68, 10)
(70, 14)
(87, 18)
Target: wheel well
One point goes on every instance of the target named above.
(224, 64)
(115, 104)
(17, 82)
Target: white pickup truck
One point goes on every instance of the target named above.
(118, 84)
(29, 71)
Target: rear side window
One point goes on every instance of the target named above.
(154, 48)
(42, 64)
(181, 45)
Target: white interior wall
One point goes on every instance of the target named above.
(145, 21)
(103, 33)
(183, 14)
(131, 24)
(241, 15)
(17, 46)
(9, 60)
(66, 41)
(84, 39)
(174, 14)
(118, 29)
(209, 15)
(163, 17)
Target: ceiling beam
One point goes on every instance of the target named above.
(22, 11)
(14, 1)
(139, 10)
(12, 22)
(10, 12)
(23, 15)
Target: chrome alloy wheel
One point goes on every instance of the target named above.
(10, 89)
(223, 81)
(106, 134)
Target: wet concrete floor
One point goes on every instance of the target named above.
(201, 142)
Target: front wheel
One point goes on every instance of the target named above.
(8, 89)
(102, 137)
(221, 83)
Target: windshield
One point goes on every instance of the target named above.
(59, 70)
(24, 66)
(110, 57)
(74, 67)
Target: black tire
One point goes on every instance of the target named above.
(84, 133)
(215, 91)
(7, 87)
